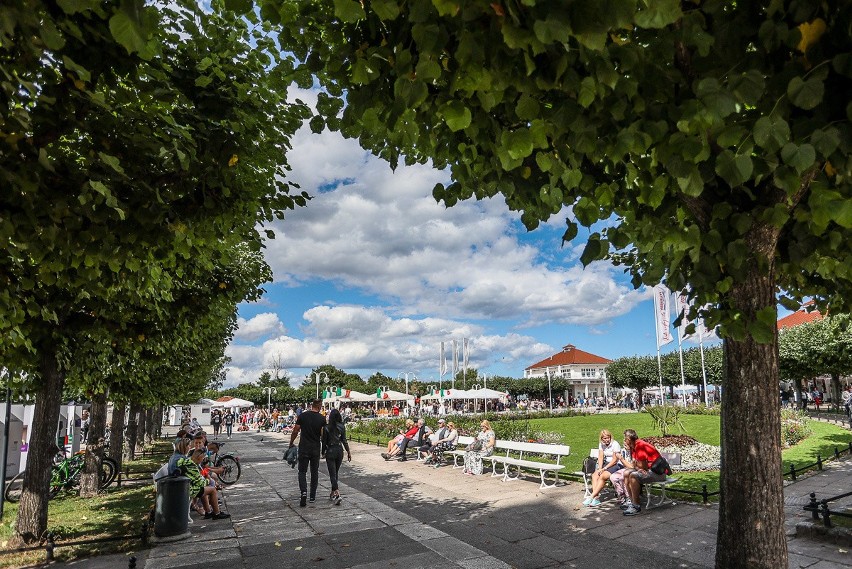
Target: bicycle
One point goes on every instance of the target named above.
(64, 475)
(231, 465)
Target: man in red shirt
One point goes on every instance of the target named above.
(643, 456)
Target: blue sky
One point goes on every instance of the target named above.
(373, 274)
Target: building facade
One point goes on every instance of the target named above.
(586, 372)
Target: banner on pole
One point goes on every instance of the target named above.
(455, 358)
(683, 306)
(662, 314)
(442, 368)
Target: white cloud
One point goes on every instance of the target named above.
(367, 338)
(260, 326)
(381, 232)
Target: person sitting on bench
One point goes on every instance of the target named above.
(649, 466)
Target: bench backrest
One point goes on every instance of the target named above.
(673, 458)
(536, 448)
(464, 440)
(594, 452)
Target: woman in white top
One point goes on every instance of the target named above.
(608, 463)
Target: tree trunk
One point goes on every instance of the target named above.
(158, 422)
(130, 448)
(835, 392)
(751, 511)
(116, 437)
(32, 513)
(150, 424)
(140, 429)
(90, 480)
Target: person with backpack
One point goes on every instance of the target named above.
(333, 443)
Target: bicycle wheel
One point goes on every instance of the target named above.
(109, 470)
(232, 469)
(57, 481)
(14, 487)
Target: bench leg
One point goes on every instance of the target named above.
(544, 483)
(495, 471)
(507, 473)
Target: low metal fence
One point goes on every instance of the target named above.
(821, 509)
(51, 542)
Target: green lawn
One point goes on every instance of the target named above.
(581, 434)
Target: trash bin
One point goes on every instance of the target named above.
(171, 512)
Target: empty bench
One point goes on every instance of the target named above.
(508, 464)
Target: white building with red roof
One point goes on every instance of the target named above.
(586, 372)
(804, 315)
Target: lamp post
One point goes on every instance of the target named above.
(319, 376)
(549, 392)
(269, 391)
(476, 387)
(406, 374)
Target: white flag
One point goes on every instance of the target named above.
(442, 366)
(682, 311)
(455, 358)
(662, 315)
(465, 354)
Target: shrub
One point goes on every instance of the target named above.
(795, 427)
(665, 417)
(701, 409)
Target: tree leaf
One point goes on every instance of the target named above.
(734, 169)
(127, 31)
(771, 133)
(349, 11)
(519, 143)
(587, 92)
(805, 94)
(456, 115)
(799, 157)
(239, 6)
(659, 14)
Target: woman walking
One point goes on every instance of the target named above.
(333, 443)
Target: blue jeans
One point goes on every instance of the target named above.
(305, 459)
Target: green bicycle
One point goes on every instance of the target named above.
(64, 475)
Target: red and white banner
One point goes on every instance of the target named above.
(662, 315)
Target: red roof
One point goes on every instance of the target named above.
(568, 356)
(801, 316)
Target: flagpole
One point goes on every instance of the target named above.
(682, 376)
(703, 371)
(659, 359)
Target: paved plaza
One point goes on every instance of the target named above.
(411, 516)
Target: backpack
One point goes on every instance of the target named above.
(590, 464)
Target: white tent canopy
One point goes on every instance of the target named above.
(391, 395)
(233, 403)
(486, 393)
(451, 394)
(348, 395)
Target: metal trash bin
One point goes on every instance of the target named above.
(171, 511)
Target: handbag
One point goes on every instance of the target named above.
(475, 446)
(661, 466)
(590, 464)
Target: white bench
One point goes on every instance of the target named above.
(513, 460)
(518, 462)
(674, 459)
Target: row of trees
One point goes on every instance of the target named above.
(141, 147)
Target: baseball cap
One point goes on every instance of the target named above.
(441, 421)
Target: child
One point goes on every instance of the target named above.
(206, 496)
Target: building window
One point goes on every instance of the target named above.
(588, 372)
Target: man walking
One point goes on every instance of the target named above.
(309, 424)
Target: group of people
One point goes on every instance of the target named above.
(195, 457)
(319, 437)
(431, 445)
(627, 467)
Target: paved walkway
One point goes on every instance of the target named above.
(411, 516)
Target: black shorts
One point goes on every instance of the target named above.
(200, 494)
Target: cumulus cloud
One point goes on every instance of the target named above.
(260, 326)
(381, 232)
(369, 339)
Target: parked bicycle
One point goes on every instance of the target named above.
(65, 474)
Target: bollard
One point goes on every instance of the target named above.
(819, 462)
(793, 471)
(131, 563)
(704, 493)
(815, 505)
(836, 453)
(826, 516)
(144, 533)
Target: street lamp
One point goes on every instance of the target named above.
(320, 376)
(406, 374)
(549, 392)
(476, 387)
(269, 391)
